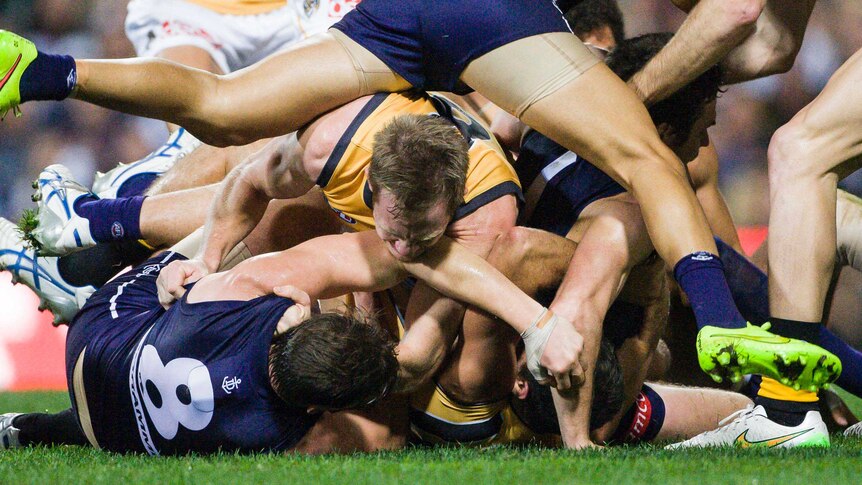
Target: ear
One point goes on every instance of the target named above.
(666, 132)
(521, 389)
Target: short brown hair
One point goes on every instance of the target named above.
(333, 360)
(421, 160)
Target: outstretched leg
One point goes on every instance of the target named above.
(807, 157)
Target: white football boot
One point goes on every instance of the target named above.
(60, 230)
(854, 431)
(41, 275)
(9, 433)
(179, 144)
(750, 427)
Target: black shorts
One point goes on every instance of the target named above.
(430, 43)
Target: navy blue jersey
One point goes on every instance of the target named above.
(191, 379)
(429, 43)
(572, 183)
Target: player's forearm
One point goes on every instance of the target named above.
(594, 275)
(235, 211)
(458, 273)
(718, 216)
(712, 29)
(636, 353)
(573, 408)
(573, 414)
(433, 323)
(704, 175)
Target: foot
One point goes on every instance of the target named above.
(750, 427)
(59, 230)
(16, 53)
(9, 433)
(731, 353)
(180, 144)
(41, 275)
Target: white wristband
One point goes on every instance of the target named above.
(535, 340)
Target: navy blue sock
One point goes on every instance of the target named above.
(112, 219)
(48, 77)
(851, 359)
(748, 284)
(701, 277)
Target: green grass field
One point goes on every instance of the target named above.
(842, 463)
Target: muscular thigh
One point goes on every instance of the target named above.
(544, 63)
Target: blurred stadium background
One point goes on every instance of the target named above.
(87, 138)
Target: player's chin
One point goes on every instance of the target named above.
(406, 257)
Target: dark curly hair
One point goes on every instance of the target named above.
(682, 108)
(585, 16)
(334, 361)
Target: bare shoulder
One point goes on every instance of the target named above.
(229, 285)
(319, 138)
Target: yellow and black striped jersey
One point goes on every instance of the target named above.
(344, 181)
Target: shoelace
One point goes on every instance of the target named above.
(746, 410)
(741, 415)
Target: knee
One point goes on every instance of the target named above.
(788, 156)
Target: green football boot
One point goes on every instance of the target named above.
(16, 53)
(730, 353)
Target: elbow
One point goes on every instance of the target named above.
(414, 371)
(740, 16)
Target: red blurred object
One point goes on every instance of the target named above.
(751, 238)
(32, 351)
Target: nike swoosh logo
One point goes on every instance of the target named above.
(9, 72)
(768, 340)
(743, 442)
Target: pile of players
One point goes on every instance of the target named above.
(524, 281)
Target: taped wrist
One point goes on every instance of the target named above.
(535, 339)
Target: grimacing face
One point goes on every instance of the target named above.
(407, 239)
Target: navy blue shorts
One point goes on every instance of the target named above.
(109, 325)
(572, 184)
(430, 43)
